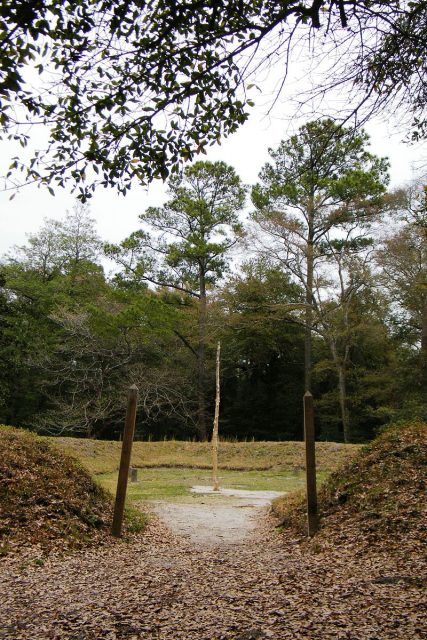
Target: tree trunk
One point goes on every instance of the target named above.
(308, 310)
(307, 346)
(342, 391)
(424, 335)
(201, 410)
(215, 435)
(345, 416)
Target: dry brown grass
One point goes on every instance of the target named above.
(100, 456)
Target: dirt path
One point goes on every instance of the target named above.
(162, 586)
(210, 525)
(225, 517)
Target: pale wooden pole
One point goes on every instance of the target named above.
(215, 426)
(122, 481)
(310, 464)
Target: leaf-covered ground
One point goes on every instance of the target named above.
(354, 580)
(378, 497)
(160, 587)
(46, 498)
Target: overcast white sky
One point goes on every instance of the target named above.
(246, 150)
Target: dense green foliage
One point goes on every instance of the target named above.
(72, 340)
(315, 198)
(263, 355)
(188, 248)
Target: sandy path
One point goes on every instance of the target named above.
(210, 525)
(228, 517)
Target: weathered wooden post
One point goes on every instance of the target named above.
(133, 474)
(119, 505)
(310, 464)
(215, 426)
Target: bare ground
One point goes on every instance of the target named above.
(229, 516)
(162, 585)
(209, 524)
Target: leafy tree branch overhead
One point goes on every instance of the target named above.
(131, 89)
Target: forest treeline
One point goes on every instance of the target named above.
(322, 286)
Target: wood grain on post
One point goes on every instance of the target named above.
(215, 427)
(310, 461)
(122, 481)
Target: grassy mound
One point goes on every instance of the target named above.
(46, 498)
(381, 493)
(101, 456)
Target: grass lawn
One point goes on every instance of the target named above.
(168, 469)
(170, 484)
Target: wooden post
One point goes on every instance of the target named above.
(119, 506)
(215, 426)
(310, 461)
(133, 474)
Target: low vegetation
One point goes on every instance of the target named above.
(47, 499)
(100, 456)
(174, 484)
(379, 494)
(168, 469)
(367, 493)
